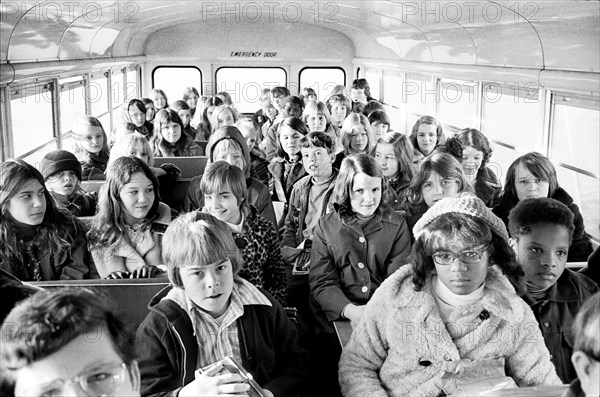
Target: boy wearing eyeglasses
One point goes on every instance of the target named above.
(67, 342)
(541, 231)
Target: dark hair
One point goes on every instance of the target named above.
(294, 100)
(220, 174)
(466, 227)
(160, 146)
(540, 166)
(279, 90)
(351, 166)
(362, 84)
(295, 124)
(530, 212)
(202, 115)
(179, 105)
(427, 120)
(318, 139)
(379, 116)
(371, 107)
(147, 101)
(49, 320)
(403, 150)
(469, 137)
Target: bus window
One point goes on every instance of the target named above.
(419, 98)
(513, 116)
(98, 96)
(585, 191)
(457, 104)
(322, 80)
(392, 96)
(117, 88)
(245, 84)
(173, 80)
(72, 105)
(373, 78)
(132, 88)
(32, 120)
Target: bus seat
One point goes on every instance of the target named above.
(130, 297)
(190, 166)
(92, 186)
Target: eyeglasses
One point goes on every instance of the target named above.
(445, 258)
(102, 381)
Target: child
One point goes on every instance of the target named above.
(457, 301)
(360, 94)
(222, 116)
(209, 312)
(229, 145)
(259, 167)
(309, 202)
(292, 107)
(287, 168)
(541, 231)
(533, 175)
(393, 152)
(90, 147)
(125, 235)
(169, 139)
(224, 189)
(62, 175)
(354, 249)
(426, 136)
(191, 96)
(586, 356)
(160, 99)
(39, 241)
(226, 98)
(372, 106)
(472, 149)
(261, 116)
(439, 176)
(317, 118)
(150, 109)
(133, 119)
(380, 123)
(356, 137)
(185, 114)
(339, 107)
(201, 120)
(68, 342)
(308, 95)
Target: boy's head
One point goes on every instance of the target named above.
(586, 349)
(317, 150)
(67, 342)
(202, 259)
(360, 91)
(61, 171)
(224, 189)
(380, 122)
(541, 231)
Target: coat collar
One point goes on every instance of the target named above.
(563, 290)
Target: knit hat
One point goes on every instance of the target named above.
(233, 133)
(60, 160)
(467, 204)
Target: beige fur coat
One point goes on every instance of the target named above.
(401, 346)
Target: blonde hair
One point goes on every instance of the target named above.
(352, 121)
(125, 143)
(80, 127)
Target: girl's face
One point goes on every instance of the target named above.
(309, 98)
(171, 132)
(62, 182)
(437, 188)
(225, 118)
(225, 151)
(292, 110)
(92, 140)
(137, 150)
(338, 113)
(185, 115)
(359, 139)
(543, 253)
(387, 160)
(159, 101)
(471, 161)
(290, 140)
(223, 206)
(426, 138)
(192, 100)
(461, 277)
(316, 122)
(209, 286)
(529, 185)
(137, 198)
(365, 195)
(28, 206)
(138, 118)
(379, 129)
(150, 111)
(250, 135)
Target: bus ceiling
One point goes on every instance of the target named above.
(519, 35)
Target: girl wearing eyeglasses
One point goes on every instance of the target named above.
(457, 300)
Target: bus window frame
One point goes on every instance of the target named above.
(200, 87)
(301, 86)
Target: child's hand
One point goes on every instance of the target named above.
(210, 383)
(145, 272)
(118, 274)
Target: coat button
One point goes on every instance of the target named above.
(361, 265)
(364, 289)
(361, 239)
(546, 325)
